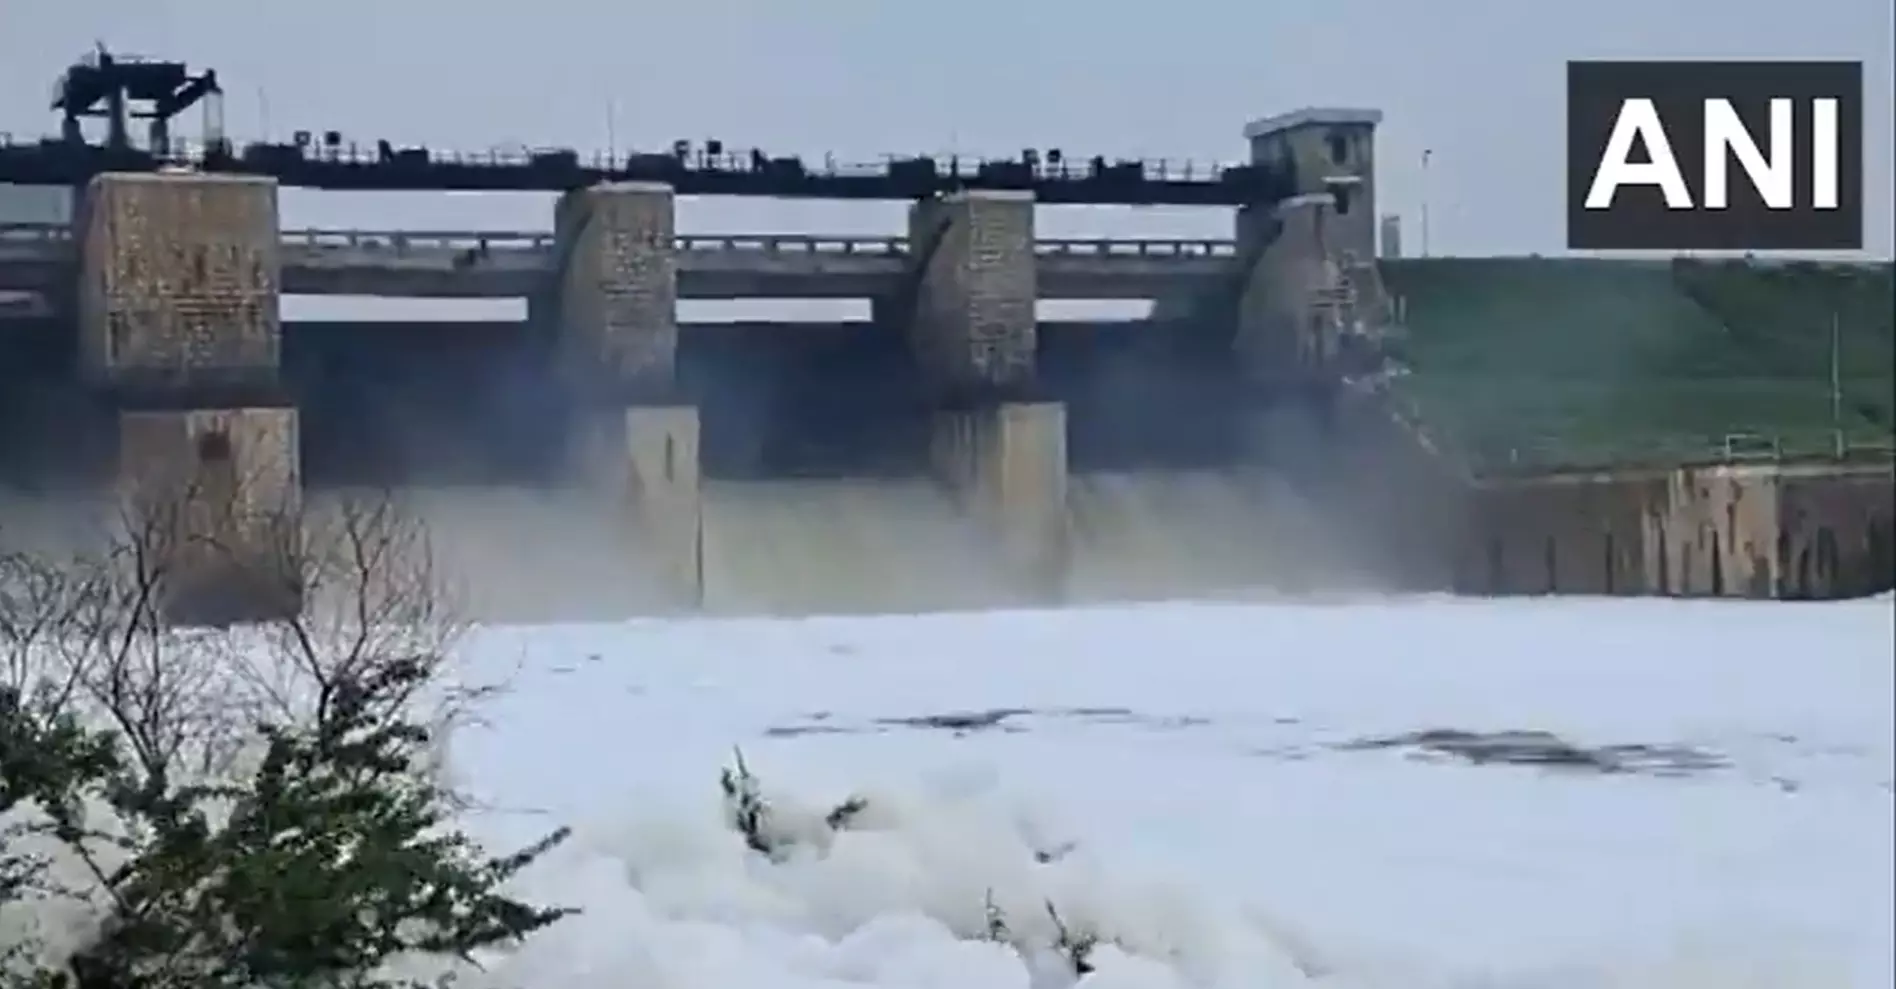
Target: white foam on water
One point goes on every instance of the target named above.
(1209, 859)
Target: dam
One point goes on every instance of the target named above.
(1297, 414)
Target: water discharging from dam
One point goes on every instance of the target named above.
(516, 554)
(814, 494)
(877, 545)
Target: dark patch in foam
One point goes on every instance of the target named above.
(1546, 750)
(1003, 719)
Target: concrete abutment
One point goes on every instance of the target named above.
(179, 325)
(1766, 531)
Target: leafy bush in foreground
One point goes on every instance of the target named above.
(239, 807)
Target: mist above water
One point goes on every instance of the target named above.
(816, 494)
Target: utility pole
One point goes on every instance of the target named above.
(1426, 154)
(1836, 381)
(612, 132)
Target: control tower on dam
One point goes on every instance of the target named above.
(164, 299)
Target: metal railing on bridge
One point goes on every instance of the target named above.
(1545, 453)
(517, 240)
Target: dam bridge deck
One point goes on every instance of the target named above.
(514, 264)
(701, 172)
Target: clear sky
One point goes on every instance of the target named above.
(1477, 82)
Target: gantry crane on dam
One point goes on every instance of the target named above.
(118, 87)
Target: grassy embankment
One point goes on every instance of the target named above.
(1539, 362)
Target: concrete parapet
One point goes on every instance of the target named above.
(213, 499)
(178, 280)
(646, 458)
(1006, 465)
(973, 325)
(1751, 531)
(616, 281)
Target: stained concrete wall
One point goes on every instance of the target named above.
(1281, 334)
(178, 279)
(215, 495)
(1593, 533)
(1839, 531)
(1006, 466)
(973, 324)
(1715, 533)
(1754, 531)
(617, 286)
(663, 491)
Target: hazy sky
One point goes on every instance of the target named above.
(1477, 81)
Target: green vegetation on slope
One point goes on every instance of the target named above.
(1575, 361)
(1784, 314)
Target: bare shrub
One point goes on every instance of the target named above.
(228, 725)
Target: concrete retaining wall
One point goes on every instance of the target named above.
(1755, 531)
(178, 279)
(1575, 534)
(617, 285)
(1772, 530)
(973, 325)
(1839, 529)
(1006, 465)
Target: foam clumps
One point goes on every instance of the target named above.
(906, 894)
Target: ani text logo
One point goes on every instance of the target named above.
(1701, 156)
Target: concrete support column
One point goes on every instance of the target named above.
(973, 327)
(973, 332)
(214, 500)
(614, 306)
(179, 324)
(646, 459)
(617, 288)
(1006, 465)
(178, 282)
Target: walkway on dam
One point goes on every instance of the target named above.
(504, 264)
